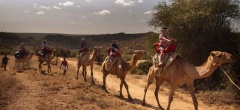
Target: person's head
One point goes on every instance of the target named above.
(114, 40)
(83, 40)
(22, 43)
(5, 55)
(44, 41)
(64, 58)
(163, 30)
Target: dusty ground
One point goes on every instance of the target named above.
(30, 90)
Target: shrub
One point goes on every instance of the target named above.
(142, 67)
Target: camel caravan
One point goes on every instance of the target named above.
(168, 66)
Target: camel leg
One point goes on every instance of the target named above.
(40, 67)
(92, 74)
(158, 84)
(191, 92)
(18, 66)
(145, 92)
(126, 86)
(170, 99)
(49, 67)
(28, 65)
(78, 66)
(84, 73)
(104, 81)
(121, 85)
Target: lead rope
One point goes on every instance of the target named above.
(226, 72)
(230, 79)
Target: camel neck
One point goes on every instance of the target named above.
(206, 69)
(93, 56)
(133, 62)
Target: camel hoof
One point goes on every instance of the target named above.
(130, 98)
(143, 104)
(161, 108)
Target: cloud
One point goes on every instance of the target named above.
(44, 7)
(140, 1)
(26, 11)
(35, 4)
(56, 7)
(40, 13)
(78, 6)
(88, 0)
(84, 17)
(150, 12)
(68, 3)
(125, 2)
(103, 12)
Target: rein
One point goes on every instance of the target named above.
(218, 64)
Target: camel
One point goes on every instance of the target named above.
(87, 60)
(182, 72)
(48, 57)
(24, 59)
(120, 68)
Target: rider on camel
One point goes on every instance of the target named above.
(164, 41)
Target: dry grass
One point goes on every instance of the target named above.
(30, 89)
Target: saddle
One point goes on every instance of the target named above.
(20, 54)
(115, 53)
(110, 61)
(167, 60)
(170, 48)
(43, 52)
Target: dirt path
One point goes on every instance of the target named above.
(30, 90)
(181, 101)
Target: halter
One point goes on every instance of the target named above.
(218, 64)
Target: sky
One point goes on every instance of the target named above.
(76, 16)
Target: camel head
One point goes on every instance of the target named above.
(138, 54)
(218, 57)
(96, 49)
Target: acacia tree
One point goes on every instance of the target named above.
(200, 26)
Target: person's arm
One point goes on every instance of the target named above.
(48, 46)
(164, 38)
(168, 37)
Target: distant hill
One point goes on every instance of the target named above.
(126, 41)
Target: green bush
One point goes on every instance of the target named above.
(5, 51)
(142, 67)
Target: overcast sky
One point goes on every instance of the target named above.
(76, 16)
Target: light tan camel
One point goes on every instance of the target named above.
(48, 57)
(120, 68)
(182, 72)
(87, 60)
(23, 60)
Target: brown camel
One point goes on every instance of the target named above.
(87, 60)
(48, 57)
(24, 59)
(182, 72)
(120, 68)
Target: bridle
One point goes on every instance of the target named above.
(218, 64)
